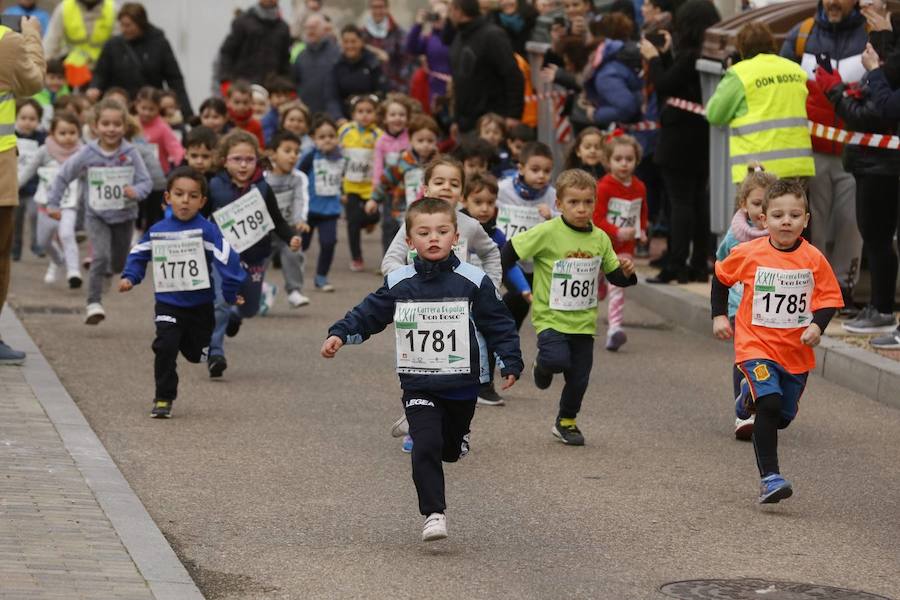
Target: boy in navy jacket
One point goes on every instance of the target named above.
(448, 319)
(184, 247)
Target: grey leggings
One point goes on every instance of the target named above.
(111, 243)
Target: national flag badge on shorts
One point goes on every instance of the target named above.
(761, 372)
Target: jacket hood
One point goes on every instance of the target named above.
(852, 21)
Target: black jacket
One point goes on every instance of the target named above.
(683, 137)
(491, 327)
(132, 64)
(361, 77)
(255, 49)
(486, 77)
(862, 114)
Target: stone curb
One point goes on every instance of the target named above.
(156, 561)
(864, 372)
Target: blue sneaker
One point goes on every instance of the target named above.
(774, 488)
(8, 356)
(743, 404)
(407, 444)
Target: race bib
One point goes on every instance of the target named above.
(461, 250)
(106, 187)
(328, 175)
(432, 337)
(625, 213)
(514, 220)
(359, 165)
(286, 203)
(245, 221)
(179, 261)
(782, 297)
(412, 182)
(573, 284)
(46, 175)
(27, 149)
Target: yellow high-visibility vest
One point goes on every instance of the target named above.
(85, 50)
(7, 111)
(774, 132)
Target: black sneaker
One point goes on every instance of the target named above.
(488, 396)
(568, 434)
(234, 325)
(162, 409)
(891, 341)
(542, 379)
(216, 365)
(74, 282)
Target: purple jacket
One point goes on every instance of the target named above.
(436, 53)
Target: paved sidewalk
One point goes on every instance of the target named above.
(70, 525)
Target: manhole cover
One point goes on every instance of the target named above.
(760, 589)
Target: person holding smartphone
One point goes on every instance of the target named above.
(22, 69)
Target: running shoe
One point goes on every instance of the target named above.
(488, 396)
(162, 409)
(616, 340)
(774, 488)
(407, 444)
(94, 313)
(542, 379)
(567, 432)
(743, 404)
(400, 427)
(216, 365)
(296, 299)
(743, 428)
(435, 527)
(870, 320)
(890, 341)
(357, 266)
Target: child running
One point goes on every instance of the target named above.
(239, 101)
(183, 247)
(63, 142)
(246, 211)
(401, 182)
(621, 211)
(448, 319)
(357, 140)
(587, 152)
(156, 131)
(523, 202)
(214, 114)
(393, 116)
(568, 253)
(795, 295)
(290, 187)
(199, 148)
(29, 139)
(746, 225)
(480, 203)
(114, 180)
(324, 168)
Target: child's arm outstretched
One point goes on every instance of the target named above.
(136, 265)
(366, 319)
(493, 321)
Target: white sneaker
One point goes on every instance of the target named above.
(95, 313)
(51, 274)
(267, 301)
(327, 288)
(400, 427)
(435, 527)
(743, 428)
(296, 299)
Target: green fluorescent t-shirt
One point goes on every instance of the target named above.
(552, 241)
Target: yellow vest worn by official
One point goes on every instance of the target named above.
(7, 111)
(84, 49)
(774, 132)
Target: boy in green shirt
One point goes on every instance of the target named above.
(568, 254)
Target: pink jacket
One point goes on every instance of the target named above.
(387, 152)
(170, 152)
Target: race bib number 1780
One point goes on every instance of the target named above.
(106, 187)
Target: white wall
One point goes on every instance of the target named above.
(196, 29)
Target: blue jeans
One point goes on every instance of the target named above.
(225, 313)
(573, 356)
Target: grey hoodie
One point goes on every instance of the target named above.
(479, 242)
(92, 156)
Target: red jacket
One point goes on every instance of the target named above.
(610, 190)
(248, 124)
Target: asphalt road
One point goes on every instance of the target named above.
(281, 481)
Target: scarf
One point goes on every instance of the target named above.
(514, 22)
(240, 118)
(266, 14)
(57, 152)
(377, 30)
(525, 191)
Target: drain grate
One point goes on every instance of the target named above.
(759, 589)
(46, 309)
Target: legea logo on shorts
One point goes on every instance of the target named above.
(419, 402)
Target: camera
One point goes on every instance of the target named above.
(432, 17)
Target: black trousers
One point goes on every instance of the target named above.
(688, 219)
(765, 433)
(573, 356)
(440, 432)
(357, 218)
(516, 304)
(876, 217)
(178, 329)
